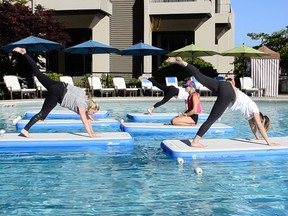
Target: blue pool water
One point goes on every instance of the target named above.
(144, 181)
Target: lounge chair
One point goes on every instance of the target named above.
(171, 81)
(201, 89)
(146, 85)
(69, 80)
(247, 86)
(39, 87)
(120, 85)
(96, 85)
(13, 85)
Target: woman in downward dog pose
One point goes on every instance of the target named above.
(227, 96)
(66, 95)
(169, 93)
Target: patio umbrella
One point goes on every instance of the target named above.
(90, 47)
(142, 49)
(33, 44)
(243, 52)
(192, 50)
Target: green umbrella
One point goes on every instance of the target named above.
(243, 51)
(192, 50)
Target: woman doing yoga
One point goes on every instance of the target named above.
(227, 96)
(169, 92)
(66, 95)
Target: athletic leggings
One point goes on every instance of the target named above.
(169, 92)
(224, 92)
(55, 93)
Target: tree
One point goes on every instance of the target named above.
(17, 22)
(277, 41)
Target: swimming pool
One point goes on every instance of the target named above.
(146, 181)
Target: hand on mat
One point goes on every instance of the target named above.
(96, 135)
(273, 144)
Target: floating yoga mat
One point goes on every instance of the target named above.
(66, 114)
(67, 124)
(158, 117)
(63, 141)
(225, 148)
(162, 129)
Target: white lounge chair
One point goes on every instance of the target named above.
(201, 89)
(171, 81)
(120, 85)
(148, 86)
(13, 85)
(96, 85)
(39, 87)
(69, 80)
(247, 86)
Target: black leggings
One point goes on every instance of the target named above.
(54, 94)
(224, 92)
(169, 92)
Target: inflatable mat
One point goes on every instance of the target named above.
(62, 141)
(158, 117)
(69, 124)
(225, 148)
(159, 128)
(66, 114)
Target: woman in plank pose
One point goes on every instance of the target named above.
(68, 96)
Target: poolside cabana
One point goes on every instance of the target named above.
(265, 71)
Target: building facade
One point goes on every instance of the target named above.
(169, 24)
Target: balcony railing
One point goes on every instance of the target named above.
(160, 1)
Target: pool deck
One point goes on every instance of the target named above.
(282, 97)
(223, 148)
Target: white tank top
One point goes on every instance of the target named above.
(245, 105)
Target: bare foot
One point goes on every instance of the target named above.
(25, 133)
(197, 145)
(150, 110)
(176, 60)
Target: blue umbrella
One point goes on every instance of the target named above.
(33, 44)
(90, 47)
(142, 49)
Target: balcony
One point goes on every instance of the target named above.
(71, 5)
(172, 7)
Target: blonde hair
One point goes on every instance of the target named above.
(265, 119)
(93, 105)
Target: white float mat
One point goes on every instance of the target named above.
(225, 148)
(158, 117)
(160, 128)
(12, 140)
(69, 123)
(66, 114)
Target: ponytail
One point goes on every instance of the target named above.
(265, 119)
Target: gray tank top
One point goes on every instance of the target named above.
(74, 99)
